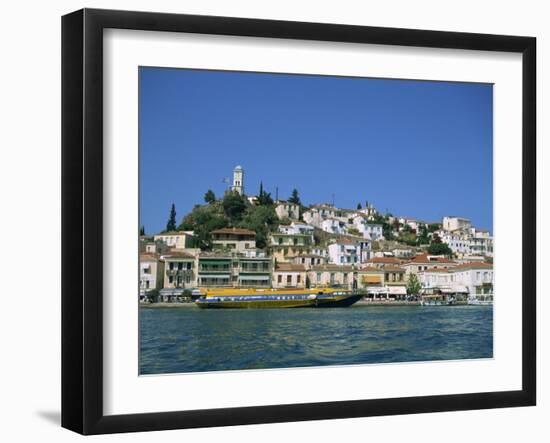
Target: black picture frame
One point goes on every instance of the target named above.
(82, 218)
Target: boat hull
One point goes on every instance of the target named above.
(337, 300)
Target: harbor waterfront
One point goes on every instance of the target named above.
(183, 338)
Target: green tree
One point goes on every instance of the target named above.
(142, 230)
(295, 198)
(262, 220)
(210, 197)
(234, 206)
(423, 238)
(413, 285)
(439, 249)
(359, 206)
(171, 225)
(264, 198)
(432, 227)
(153, 295)
(203, 220)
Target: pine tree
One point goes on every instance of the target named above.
(295, 198)
(171, 225)
(210, 197)
(142, 230)
(359, 206)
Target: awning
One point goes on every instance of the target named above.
(216, 261)
(207, 276)
(397, 290)
(254, 277)
(372, 279)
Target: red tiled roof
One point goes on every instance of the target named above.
(371, 269)
(290, 267)
(426, 258)
(148, 257)
(174, 253)
(389, 260)
(392, 269)
(473, 265)
(238, 231)
(332, 267)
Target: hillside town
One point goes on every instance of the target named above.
(255, 241)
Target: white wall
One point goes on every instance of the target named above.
(30, 184)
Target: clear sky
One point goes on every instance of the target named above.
(415, 148)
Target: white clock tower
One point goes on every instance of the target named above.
(238, 180)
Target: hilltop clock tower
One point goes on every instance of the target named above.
(238, 180)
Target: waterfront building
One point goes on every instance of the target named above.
(370, 277)
(235, 270)
(238, 180)
(289, 275)
(284, 247)
(234, 239)
(453, 223)
(150, 273)
(176, 239)
(180, 269)
(253, 270)
(309, 260)
(382, 283)
(332, 275)
(285, 209)
(215, 270)
(476, 277)
(425, 261)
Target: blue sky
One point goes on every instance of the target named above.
(415, 148)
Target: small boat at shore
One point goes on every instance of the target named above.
(437, 300)
(481, 301)
(277, 298)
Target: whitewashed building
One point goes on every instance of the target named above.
(176, 239)
(334, 226)
(349, 252)
(316, 214)
(452, 223)
(285, 209)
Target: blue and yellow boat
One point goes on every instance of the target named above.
(277, 298)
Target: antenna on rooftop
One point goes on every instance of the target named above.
(276, 193)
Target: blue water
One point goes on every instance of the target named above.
(188, 339)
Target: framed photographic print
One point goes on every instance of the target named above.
(268, 221)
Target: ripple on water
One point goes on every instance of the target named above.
(192, 340)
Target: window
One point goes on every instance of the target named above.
(279, 278)
(171, 279)
(299, 279)
(289, 279)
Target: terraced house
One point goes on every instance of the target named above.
(284, 247)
